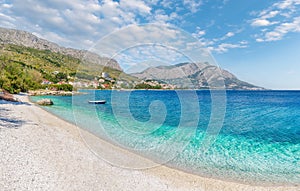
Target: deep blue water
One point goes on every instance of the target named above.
(245, 136)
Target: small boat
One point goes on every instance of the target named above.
(98, 102)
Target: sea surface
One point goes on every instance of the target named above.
(251, 137)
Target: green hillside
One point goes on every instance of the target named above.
(23, 69)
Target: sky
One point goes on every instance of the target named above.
(256, 40)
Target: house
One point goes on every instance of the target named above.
(61, 82)
(105, 86)
(55, 72)
(94, 84)
(104, 75)
(46, 82)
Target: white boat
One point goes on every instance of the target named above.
(98, 102)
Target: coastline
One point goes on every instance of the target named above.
(49, 153)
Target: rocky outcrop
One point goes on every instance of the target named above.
(8, 97)
(195, 76)
(23, 38)
(45, 102)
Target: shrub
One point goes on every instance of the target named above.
(60, 87)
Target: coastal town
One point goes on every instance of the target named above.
(105, 81)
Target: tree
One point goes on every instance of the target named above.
(61, 76)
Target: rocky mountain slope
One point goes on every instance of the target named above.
(195, 75)
(23, 38)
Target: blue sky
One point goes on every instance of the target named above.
(256, 40)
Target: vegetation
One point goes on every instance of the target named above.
(59, 87)
(23, 68)
(14, 78)
(146, 86)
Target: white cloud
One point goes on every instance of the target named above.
(290, 27)
(7, 6)
(166, 4)
(226, 36)
(160, 16)
(244, 42)
(199, 33)
(229, 34)
(281, 30)
(135, 5)
(262, 22)
(287, 4)
(270, 14)
(263, 18)
(193, 5)
(137, 35)
(174, 15)
(277, 20)
(224, 47)
(273, 35)
(6, 17)
(219, 45)
(284, 8)
(259, 40)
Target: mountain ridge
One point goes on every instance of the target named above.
(24, 38)
(195, 75)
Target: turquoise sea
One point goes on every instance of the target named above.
(251, 137)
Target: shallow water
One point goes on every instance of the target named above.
(258, 142)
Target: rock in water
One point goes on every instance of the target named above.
(45, 102)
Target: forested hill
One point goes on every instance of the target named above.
(23, 68)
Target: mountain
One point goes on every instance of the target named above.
(195, 75)
(23, 38)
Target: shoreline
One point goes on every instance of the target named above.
(37, 121)
(51, 92)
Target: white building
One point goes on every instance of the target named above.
(104, 75)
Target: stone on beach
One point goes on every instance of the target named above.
(8, 97)
(45, 102)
